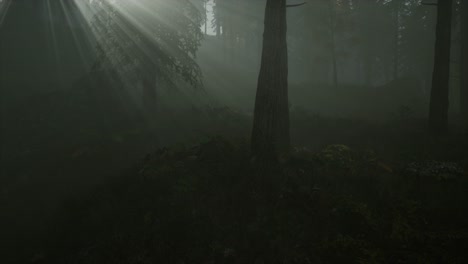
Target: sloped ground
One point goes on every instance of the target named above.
(352, 192)
(210, 203)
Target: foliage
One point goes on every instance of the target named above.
(204, 204)
(148, 39)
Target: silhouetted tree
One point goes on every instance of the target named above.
(464, 60)
(270, 134)
(332, 32)
(439, 102)
(396, 5)
(235, 22)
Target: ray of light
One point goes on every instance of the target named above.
(52, 30)
(70, 20)
(137, 38)
(4, 6)
(143, 17)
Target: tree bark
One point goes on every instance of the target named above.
(206, 16)
(270, 133)
(464, 62)
(439, 101)
(332, 43)
(396, 42)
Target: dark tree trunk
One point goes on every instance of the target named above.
(439, 102)
(332, 42)
(464, 61)
(206, 16)
(270, 134)
(396, 42)
(334, 63)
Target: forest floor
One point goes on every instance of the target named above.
(352, 191)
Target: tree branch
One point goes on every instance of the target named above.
(295, 5)
(430, 4)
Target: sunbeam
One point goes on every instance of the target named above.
(143, 38)
(4, 5)
(233, 131)
(50, 18)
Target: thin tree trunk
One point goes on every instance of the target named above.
(270, 134)
(232, 40)
(225, 40)
(335, 66)
(464, 61)
(439, 101)
(333, 45)
(206, 16)
(3, 81)
(396, 42)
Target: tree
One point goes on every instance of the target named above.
(396, 38)
(439, 102)
(332, 21)
(323, 30)
(270, 133)
(235, 23)
(149, 44)
(464, 61)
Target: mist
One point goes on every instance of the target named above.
(233, 131)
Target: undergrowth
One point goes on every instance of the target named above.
(210, 203)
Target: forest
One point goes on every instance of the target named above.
(233, 131)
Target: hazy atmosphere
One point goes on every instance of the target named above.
(233, 131)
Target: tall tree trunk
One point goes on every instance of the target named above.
(270, 134)
(3, 83)
(464, 61)
(332, 42)
(396, 42)
(206, 16)
(334, 65)
(439, 102)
